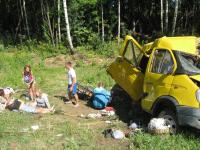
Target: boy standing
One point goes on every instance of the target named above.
(72, 84)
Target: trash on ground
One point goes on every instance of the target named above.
(116, 134)
(25, 129)
(59, 135)
(108, 111)
(94, 116)
(133, 126)
(108, 122)
(158, 126)
(35, 127)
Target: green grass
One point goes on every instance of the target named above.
(75, 135)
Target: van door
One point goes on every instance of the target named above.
(124, 70)
(158, 77)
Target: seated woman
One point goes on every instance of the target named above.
(6, 93)
(101, 97)
(19, 105)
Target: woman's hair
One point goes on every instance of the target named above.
(2, 92)
(27, 66)
(100, 84)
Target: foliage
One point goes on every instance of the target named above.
(85, 20)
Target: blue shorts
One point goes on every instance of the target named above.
(29, 109)
(74, 90)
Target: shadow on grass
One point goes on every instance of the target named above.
(63, 98)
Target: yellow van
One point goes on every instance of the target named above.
(163, 77)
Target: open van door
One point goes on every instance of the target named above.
(125, 69)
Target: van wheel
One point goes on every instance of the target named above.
(171, 120)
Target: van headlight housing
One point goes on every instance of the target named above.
(198, 95)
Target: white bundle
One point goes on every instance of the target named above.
(94, 116)
(157, 124)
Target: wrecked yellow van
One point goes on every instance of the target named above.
(163, 77)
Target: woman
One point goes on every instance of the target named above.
(101, 97)
(6, 93)
(29, 79)
(19, 105)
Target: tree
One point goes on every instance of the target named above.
(72, 51)
(59, 32)
(119, 21)
(166, 15)
(175, 17)
(102, 22)
(161, 15)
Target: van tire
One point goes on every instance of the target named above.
(171, 120)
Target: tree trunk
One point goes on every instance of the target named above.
(50, 27)
(102, 22)
(161, 15)
(59, 32)
(175, 18)
(26, 20)
(166, 16)
(72, 51)
(119, 21)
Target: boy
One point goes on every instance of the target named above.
(72, 83)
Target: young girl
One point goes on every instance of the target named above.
(28, 79)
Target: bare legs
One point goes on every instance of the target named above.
(44, 110)
(73, 98)
(31, 89)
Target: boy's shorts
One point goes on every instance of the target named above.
(74, 90)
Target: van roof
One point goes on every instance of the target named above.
(186, 44)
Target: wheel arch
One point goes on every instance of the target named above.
(164, 102)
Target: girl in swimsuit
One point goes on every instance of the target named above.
(29, 80)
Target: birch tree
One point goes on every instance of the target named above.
(175, 17)
(161, 15)
(119, 21)
(59, 32)
(26, 20)
(72, 51)
(166, 15)
(102, 22)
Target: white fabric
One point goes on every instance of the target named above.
(43, 101)
(157, 123)
(8, 91)
(71, 76)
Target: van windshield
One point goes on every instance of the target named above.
(189, 63)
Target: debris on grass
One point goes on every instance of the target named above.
(158, 126)
(35, 127)
(59, 135)
(108, 122)
(94, 116)
(116, 134)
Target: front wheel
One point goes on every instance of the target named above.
(171, 120)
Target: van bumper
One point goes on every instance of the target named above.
(188, 116)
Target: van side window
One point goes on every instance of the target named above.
(162, 62)
(132, 54)
(128, 55)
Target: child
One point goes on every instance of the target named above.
(101, 97)
(72, 83)
(28, 78)
(42, 99)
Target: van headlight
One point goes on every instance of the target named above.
(198, 95)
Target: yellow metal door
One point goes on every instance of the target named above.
(158, 77)
(124, 70)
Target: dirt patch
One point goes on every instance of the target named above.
(60, 60)
(57, 61)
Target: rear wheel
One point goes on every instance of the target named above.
(171, 120)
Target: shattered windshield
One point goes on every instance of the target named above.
(190, 63)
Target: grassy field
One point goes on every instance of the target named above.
(64, 129)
